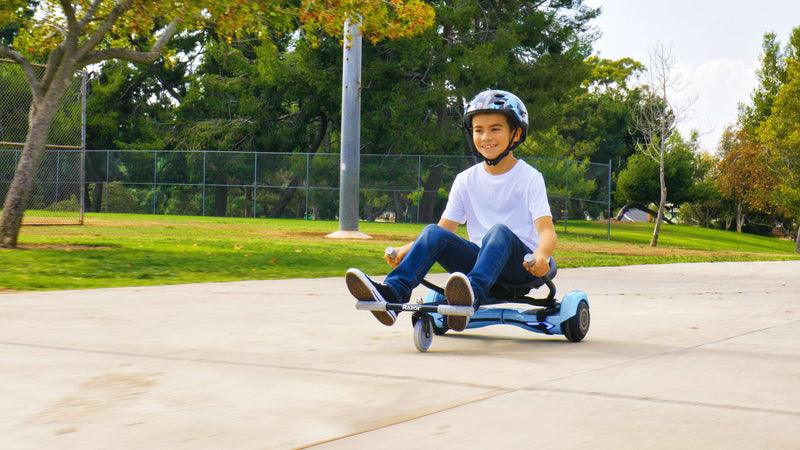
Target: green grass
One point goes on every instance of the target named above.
(113, 250)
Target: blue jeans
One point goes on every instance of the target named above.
(498, 259)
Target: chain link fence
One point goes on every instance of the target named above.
(57, 197)
(399, 188)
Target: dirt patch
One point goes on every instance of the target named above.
(598, 247)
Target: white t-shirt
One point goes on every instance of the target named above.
(515, 199)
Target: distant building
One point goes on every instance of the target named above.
(636, 215)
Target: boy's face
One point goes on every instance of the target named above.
(492, 134)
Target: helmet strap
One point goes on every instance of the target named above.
(511, 146)
(496, 161)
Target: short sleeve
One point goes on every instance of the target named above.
(454, 210)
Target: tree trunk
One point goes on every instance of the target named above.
(398, 201)
(623, 210)
(661, 204)
(97, 197)
(291, 188)
(739, 217)
(797, 240)
(285, 198)
(221, 198)
(248, 201)
(430, 193)
(39, 120)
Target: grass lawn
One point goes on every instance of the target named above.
(112, 250)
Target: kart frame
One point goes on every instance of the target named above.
(507, 305)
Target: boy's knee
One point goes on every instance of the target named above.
(431, 231)
(498, 230)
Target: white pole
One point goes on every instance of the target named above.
(351, 132)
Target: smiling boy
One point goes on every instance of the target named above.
(502, 201)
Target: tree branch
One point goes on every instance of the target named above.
(26, 66)
(132, 55)
(89, 14)
(69, 13)
(118, 10)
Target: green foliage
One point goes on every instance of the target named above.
(770, 76)
(781, 133)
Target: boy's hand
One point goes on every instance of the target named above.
(538, 267)
(400, 253)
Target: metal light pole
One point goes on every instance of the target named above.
(351, 133)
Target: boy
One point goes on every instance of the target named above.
(503, 202)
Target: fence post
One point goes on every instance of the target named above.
(608, 199)
(255, 182)
(308, 180)
(419, 183)
(566, 199)
(82, 189)
(107, 187)
(58, 177)
(204, 183)
(155, 179)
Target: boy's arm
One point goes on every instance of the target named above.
(448, 224)
(547, 244)
(401, 251)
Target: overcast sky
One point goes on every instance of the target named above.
(716, 45)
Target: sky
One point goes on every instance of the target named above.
(716, 46)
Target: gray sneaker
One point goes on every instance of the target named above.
(458, 292)
(362, 288)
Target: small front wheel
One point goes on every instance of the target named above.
(423, 333)
(576, 327)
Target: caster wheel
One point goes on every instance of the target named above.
(576, 327)
(423, 333)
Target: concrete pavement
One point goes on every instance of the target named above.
(678, 356)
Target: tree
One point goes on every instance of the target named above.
(657, 118)
(771, 127)
(415, 89)
(639, 183)
(781, 134)
(771, 76)
(744, 174)
(71, 35)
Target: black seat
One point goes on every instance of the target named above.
(503, 292)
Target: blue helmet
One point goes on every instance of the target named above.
(496, 101)
(499, 101)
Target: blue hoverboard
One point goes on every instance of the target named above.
(507, 305)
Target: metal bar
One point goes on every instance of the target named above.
(53, 146)
(443, 309)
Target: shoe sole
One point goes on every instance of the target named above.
(458, 293)
(361, 291)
